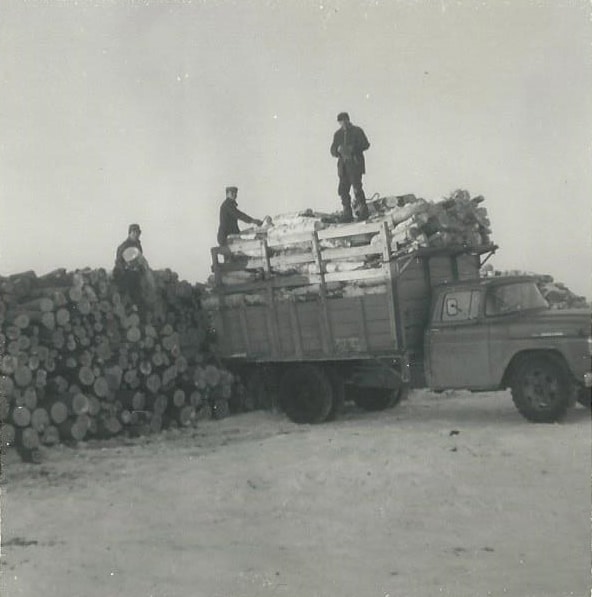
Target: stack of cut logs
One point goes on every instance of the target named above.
(412, 223)
(78, 361)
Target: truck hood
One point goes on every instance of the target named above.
(552, 322)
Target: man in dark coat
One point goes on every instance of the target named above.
(349, 144)
(230, 215)
(129, 265)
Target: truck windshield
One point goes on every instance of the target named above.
(514, 297)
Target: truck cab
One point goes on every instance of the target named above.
(494, 333)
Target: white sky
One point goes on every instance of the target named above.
(113, 112)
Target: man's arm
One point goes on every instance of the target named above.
(239, 215)
(364, 143)
(335, 145)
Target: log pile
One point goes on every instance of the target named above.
(77, 360)
(557, 294)
(285, 242)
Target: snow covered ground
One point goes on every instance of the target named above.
(452, 494)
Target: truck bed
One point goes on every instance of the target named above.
(376, 311)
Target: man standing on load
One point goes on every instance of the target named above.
(349, 144)
(230, 215)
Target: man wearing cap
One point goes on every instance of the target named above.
(349, 144)
(230, 215)
(129, 264)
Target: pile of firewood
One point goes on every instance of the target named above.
(285, 240)
(77, 360)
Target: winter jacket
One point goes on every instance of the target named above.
(354, 142)
(229, 217)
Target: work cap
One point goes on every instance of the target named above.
(342, 116)
(133, 227)
(230, 189)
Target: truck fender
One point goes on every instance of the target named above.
(519, 357)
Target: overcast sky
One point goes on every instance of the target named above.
(114, 112)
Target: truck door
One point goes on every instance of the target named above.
(457, 347)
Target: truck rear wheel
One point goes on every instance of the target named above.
(306, 394)
(585, 396)
(541, 389)
(373, 399)
(259, 394)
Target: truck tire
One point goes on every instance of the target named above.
(374, 399)
(541, 389)
(585, 396)
(258, 394)
(338, 385)
(306, 395)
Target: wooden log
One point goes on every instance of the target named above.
(59, 384)
(4, 407)
(40, 419)
(195, 399)
(94, 406)
(145, 367)
(160, 404)
(58, 412)
(51, 436)
(12, 332)
(78, 403)
(30, 398)
(101, 387)
(8, 364)
(138, 401)
(73, 429)
(34, 362)
(155, 423)
(21, 416)
(40, 378)
(179, 398)
(109, 425)
(43, 304)
(153, 383)
(6, 386)
(28, 438)
(7, 435)
(86, 376)
(13, 348)
(23, 376)
(62, 316)
(168, 376)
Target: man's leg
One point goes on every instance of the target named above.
(360, 199)
(343, 190)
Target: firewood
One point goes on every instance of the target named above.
(7, 434)
(178, 397)
(40, 420)
(4, 407)
(58, 412)
(51, 436)
(30, 397)
(21, 416)
(28, 438)
(23, 376)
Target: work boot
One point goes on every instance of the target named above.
(347, 215)
(362, 212)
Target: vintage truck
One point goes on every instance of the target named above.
(419, 318)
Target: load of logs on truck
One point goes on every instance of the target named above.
(311, 313)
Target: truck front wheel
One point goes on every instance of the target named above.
(306, 394)
(541, 389)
